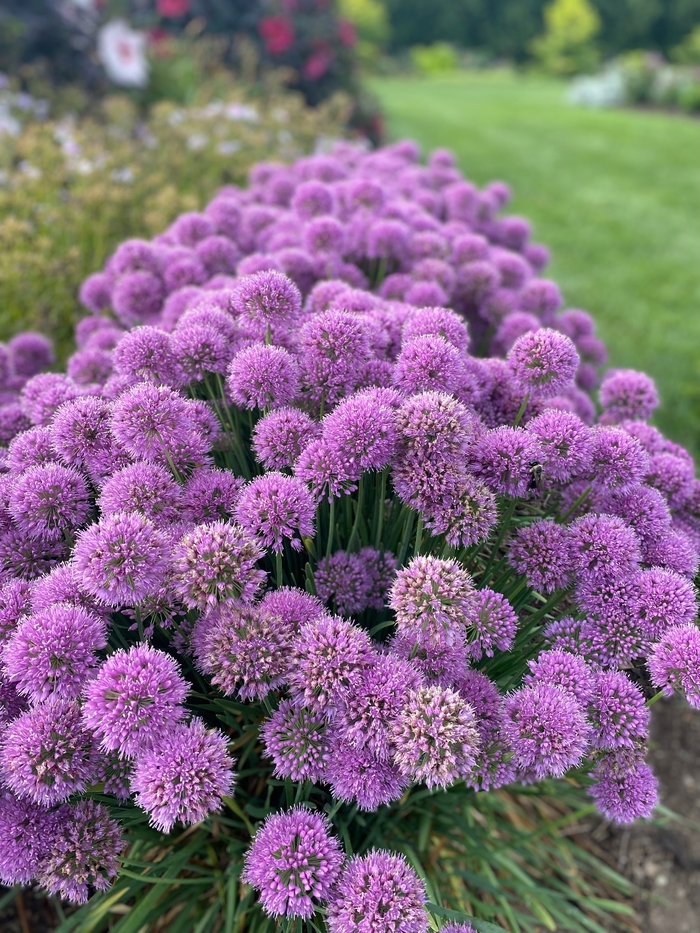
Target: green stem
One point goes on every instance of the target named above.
(419, 535)
(331, 528)
(278, 568)
(652, 700)
(354, 535)
(581, 499)
(521, 410)
(408, 528)
(501, 535)
(380, 517)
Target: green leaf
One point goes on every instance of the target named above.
(482, 926)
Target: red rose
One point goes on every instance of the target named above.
(172, 8)
(277, 34)
(347, 33)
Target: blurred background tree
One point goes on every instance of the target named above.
(568, 44)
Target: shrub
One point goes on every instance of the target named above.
(321, 522)
(437, 58)
(567, 45)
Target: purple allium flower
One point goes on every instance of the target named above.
(80, 436)
(673, 476)
(663, 599)
(27, 557)
(627, 394)
(312, 199)
(491, 623)
(49, 500)
(565, 443)
(547, 729)
(431, 597)
(215, 562)
(275, 507)
(674, 550)
(361, 431)
(435, 736)
(293, 863)
(180, 267)
(510, 328)
(199, 349)
(502, 458)
(95, 292)
(565, 670)
(263, 377)
(334, 345)
(183, 775)
(122, 559)
(293, 607)
(137, 694)
(324, 236)
(566, 634)
(541, 297)
(114, 773)
(85, 845)
(142, 487)
(25, 831)
(643, 509)
(389, 240)
(328, 656)
(437, 662)
(356, 775)
(603, 546)
(537, 255)
(155, 423)
(439, 322)
(218, 255)
(541, 551)
(61, 585)
(624, 788)
(423, 294)
(243, 649)
(190, 228)
(15, 604)
(131, 256)
(280, 437)
(210, 495)
(370, 709)
(378, 891)
(54, 652)
(616, 458)
(45, 755)
(674, 662)
(89, 367)
(469, 247)
(342, 582)
(326, 473)
(43, 395)
(296, 739)
(476, 282)
(269, 298)
(137, 298)
(30, 354)
(146, 354)
(12, 421)
(428, 364)
(619, 716)
(465, 513)
(364, 194)
(543, 362)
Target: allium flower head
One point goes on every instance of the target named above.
(328, 656)
(85, 845)
(378, 891)
(356, 775)
(312, 199)
(627, 394)
(28, 557)
(30, 354)
(673, 476)
(43, 395)
(294, 607)
(491, 623)
(618, 713)
(663, 599)
(297, 740)
(269, 298)
(616, 458)
(215, 562)
(503, 458)
(137, 694)
(49, 500)
(362, 432)
(243, 649)
(565, 443)
(546, 728)
(570, 672)
(333, 345)
(342, 582)
(324, 237)
(603, 546)
(541, 297)
(45, 755)
(142, 487)
(275, 507)
(183, 775)
(137, 298)
(541, 551)
(211, 495)
(81, 437)
(432, 596)
(428, 364)
(12, 421)
(674, 662)
(280, 437)
(439, 322)
(263, 377)
(644, 509)
(543, 362)
(199, 349)
(435, 736)
(15, 604)
(121, 559)
(24, 838)
(293, 863)
(54, 652)
(624, 788)
(146, 355)
(326, 473)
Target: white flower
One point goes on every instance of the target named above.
(196, 141)
(242, 112)
(606, 89)
(122, 52)
(228, 147)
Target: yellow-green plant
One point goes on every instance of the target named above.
(434, 59)
(72, 189)
(568, 44)
(371, 21)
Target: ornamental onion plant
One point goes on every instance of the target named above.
(302, 565)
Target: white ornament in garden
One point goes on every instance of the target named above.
(122, 52)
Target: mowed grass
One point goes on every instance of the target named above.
(614, 194)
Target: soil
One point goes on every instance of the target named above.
(662, 859)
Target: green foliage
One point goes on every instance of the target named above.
(688, 51)
(623, 248)
(567, 46)
(370, 19)
(438, 58)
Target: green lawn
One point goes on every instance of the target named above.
(614, 194)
